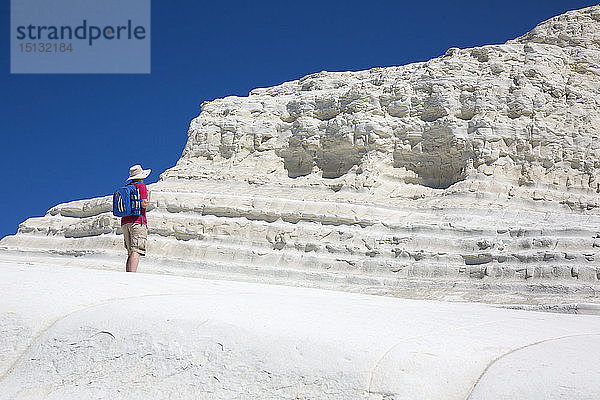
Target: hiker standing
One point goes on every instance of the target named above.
(135, 227)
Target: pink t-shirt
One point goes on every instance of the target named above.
(139, 219)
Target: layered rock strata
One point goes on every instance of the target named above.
(474, 170)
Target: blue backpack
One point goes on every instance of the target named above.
(127, 201)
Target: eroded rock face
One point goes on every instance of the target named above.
(477, 166)
(525, 111)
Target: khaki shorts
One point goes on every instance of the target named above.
(134, 236)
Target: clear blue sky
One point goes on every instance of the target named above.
(61, 134)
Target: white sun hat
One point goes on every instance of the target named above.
(136, 172)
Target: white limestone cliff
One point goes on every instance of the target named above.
(471, 176)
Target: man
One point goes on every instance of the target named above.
(135, 227)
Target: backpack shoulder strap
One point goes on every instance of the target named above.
(141, 208)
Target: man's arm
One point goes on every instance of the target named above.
(145, 195)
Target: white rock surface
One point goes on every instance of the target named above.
(73, 333)
(475, 170)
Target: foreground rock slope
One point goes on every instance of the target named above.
(115, 335)
(474, 170)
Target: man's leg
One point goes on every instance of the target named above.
(127, 243)
(137, 248)
(132, 262)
